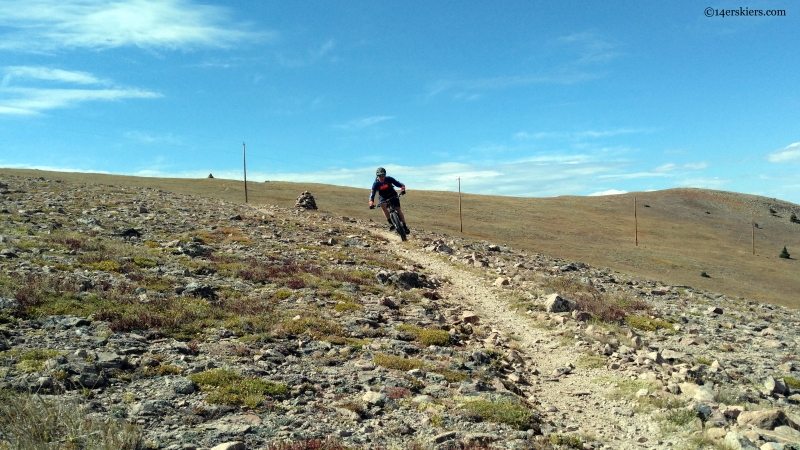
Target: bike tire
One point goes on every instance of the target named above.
(398, 225)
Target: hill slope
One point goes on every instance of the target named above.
(682, 232)
(161, 320)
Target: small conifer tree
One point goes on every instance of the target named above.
(784, 254)
(793, 218)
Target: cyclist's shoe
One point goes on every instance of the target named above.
(391, 227)
(405, 228)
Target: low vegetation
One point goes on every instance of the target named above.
(508, 412)
(30, 422)
(229, 388)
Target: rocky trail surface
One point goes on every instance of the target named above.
(205, 324)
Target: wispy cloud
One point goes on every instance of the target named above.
(148, 138)
(362, 123)
(591, 47)
(579, 135)
(50, 25)
(504, 82)
(24, 100)
(48, 74)
(579, 57)
(787, 154)
(607, 192)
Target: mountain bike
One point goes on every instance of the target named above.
(394, 217)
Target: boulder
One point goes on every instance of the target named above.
(767, 419)
(554, 303)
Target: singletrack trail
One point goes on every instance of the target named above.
(576, 401)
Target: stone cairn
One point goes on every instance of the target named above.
(306, 201)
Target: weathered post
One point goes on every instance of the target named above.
(244, 159)
(460, 221)
(635, 223)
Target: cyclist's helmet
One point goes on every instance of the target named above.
(380, 171)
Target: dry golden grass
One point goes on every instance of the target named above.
(682, 232)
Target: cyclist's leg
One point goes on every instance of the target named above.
(400, 213)
(403, 219)
(386, 214)
(385, 211)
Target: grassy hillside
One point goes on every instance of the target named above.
(682, 232)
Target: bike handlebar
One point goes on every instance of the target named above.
(385, 201)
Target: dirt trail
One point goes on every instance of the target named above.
(573, 402)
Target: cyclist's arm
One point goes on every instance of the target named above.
(372, 193)
(398, 184)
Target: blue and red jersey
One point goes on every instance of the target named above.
(385, 189)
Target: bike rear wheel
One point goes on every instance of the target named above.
(398, 225)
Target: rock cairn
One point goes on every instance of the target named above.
(351, 350)
(306, 201)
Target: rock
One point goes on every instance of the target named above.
(305, 201)
(775, 386)
(181, 385)
(229, 445)
(554, 303)
(374, 398)
(470, 317)
(737, 441)
(8, 253)
(581, 316)
(406, 280)
(501, 281)
(782, 434)
(714, 310)
(767, 419)
(10, 305)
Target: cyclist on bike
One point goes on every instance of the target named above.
(383, 186)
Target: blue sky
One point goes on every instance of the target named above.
(523, 98)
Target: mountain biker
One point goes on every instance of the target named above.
(383, 186)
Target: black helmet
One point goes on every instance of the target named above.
(380, 171)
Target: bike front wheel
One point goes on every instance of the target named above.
(398, 225)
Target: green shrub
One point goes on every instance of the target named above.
(342, 307)
(703, 360)
(704, 274)
(33, 360)
(590, 361)
(397, 362)
(568, 441)
(144, 262)
(229, 388)
(784, 254)
(452, 376)
(106, 265)
(506, 411)
(792, 382)
(646, 323)
(439, 338)
(680, 417)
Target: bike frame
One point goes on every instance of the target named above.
(394, 217)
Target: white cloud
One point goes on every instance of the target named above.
(49, 25)
(32, 100)
(46, 73)
(608, 192)
(789, 153)
(579, 135)
(363, 122)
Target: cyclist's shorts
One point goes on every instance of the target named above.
(394, 201)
